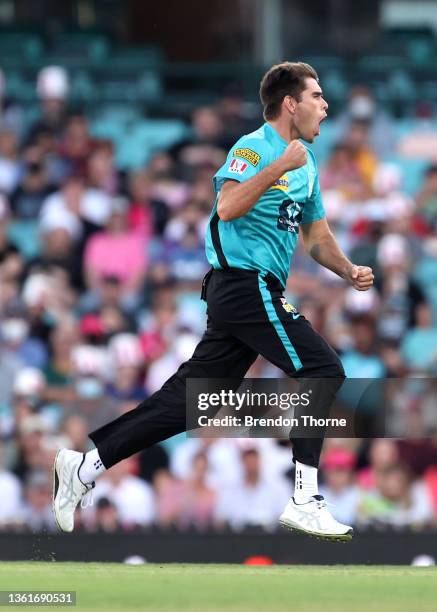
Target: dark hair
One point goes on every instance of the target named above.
(286, 79)
(431, 170)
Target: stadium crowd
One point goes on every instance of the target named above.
(100, 274)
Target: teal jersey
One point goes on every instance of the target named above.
(265, 238)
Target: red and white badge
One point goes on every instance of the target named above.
(237, 166)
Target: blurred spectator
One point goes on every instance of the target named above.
(10, 488)
(342, 173)
(11, 115)
(29, 387)
(339, 486)
(362, 153)
(89, 399)
(37, 512)
(126, 359)
(383, 454)
(33, 189)
(426, 198)
(63, 337)
(425, 272)
(363, 107)
(10, 365)
(253, 501)
(52, 89)
(396, 500)
(9, 160)
(236, 115)
(400, 294)
(205, 147)
(419, 345)
(117, 253)
(11, 260)
(147, 215)
(32, 434)
(132, 497)
(168, 492)
(80, 203)
(184, 250)
(223, 459)
(58, 248)
(101, 171)
(362, 360)
(77, 146)
(106, 518)
(187, 503)
(75, 428)
(179, 351)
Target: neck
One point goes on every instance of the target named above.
(284, 127)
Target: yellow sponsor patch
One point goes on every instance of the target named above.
(252, 157)
(281, 183)
(288, 307)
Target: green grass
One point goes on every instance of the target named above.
(207, 588)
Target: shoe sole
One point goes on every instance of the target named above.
(55, 489)
(343, 538)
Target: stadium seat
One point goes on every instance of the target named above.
(87, 46)
(20, 48)
(144, 138)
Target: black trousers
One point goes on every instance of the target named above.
(245, 317)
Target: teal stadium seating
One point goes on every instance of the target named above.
(119, 85)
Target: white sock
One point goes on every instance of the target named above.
(91, 467)
(305, 484)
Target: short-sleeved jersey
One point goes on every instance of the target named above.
(264, 238)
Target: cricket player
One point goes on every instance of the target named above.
(268, 193)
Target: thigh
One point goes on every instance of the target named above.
(219, 354)
(255, 312)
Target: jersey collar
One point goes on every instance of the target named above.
(274, 134)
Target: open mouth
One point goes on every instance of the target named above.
(319, 123)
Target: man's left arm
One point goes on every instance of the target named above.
(321, 244)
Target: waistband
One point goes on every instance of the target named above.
(267, 276)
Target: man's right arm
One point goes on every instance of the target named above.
(237, 198)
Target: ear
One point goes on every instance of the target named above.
(289, 104)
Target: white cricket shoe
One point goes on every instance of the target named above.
(314, 518)
(68, 489)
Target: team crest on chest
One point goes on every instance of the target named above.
(290, 215)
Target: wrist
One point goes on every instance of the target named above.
(346, 272)
(280, 167)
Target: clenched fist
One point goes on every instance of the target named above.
(360, 277)
(294, 156)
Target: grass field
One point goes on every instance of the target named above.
(207, 588)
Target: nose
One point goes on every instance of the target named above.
(325, 105)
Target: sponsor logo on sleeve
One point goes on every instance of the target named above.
(251, 156)
(281, 183)
(237, 166)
